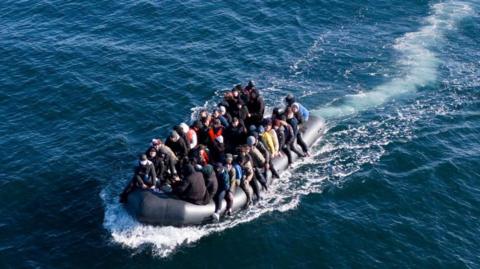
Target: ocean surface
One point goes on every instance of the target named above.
(394, 182)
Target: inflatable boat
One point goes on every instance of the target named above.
(165, 209)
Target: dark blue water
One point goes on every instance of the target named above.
(394, 182)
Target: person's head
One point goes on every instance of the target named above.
(268, 124)
(184, 127)
(216, 113)
(252, 128)
(277, 123)
(251, 141)
(275, 112)
(251, 84)
(143, 160)
(229, 158)
(236, 90)
(290, 99)
(217, 123)
(295, 107)
(228, 96)
(235, 122)
(197, 125)
(222, 110)
(218, 167)
(289, 113)
(174, 136)
(261, 130)
(203, 114)
(152, 153)
(156, 142)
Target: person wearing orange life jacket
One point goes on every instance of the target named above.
(215, 131)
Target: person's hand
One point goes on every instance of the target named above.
(267, 166)
(144, 186)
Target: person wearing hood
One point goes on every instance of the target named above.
(218, 150)
(178, 145)
(144, 177)
(223, 188)
(192, 187)
(256, 107)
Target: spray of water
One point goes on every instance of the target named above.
(418, 62)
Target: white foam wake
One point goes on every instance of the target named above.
(418, 61)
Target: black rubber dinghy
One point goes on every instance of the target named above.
(159, 208)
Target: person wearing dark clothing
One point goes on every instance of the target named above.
(241, 113)
(158, 161)
(235, 135)
(177, 144)
(218, 150)
(223, 188)
(211, 182)
(192, 187)
(256, 108)
(293, 121)
(144, 177)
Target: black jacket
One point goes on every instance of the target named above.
(178, 147)
(192, 189)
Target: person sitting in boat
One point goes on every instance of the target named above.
(217, 152)
(256, 107)
(144, 177)
(159, 165)
(246, 177)
(265, 143)
(211, 182)
(241, 112)
(178, 145)
(220, 113)
(235, 173)
(249, 166)
(235, 135)
(259, 162)
(169, 157)
(286, 139)
(215, 131)
(222, 191)
(293, 121)
(190, 135)
(192, 186)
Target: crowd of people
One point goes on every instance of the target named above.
(228, 148)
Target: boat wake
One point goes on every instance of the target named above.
(344, 149)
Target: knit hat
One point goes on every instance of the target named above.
(184, 127)
(251, 140)
(228, 156)
(261, 130)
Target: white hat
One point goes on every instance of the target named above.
(219, 139)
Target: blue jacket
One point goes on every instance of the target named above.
(304, 111)
(223, 181)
